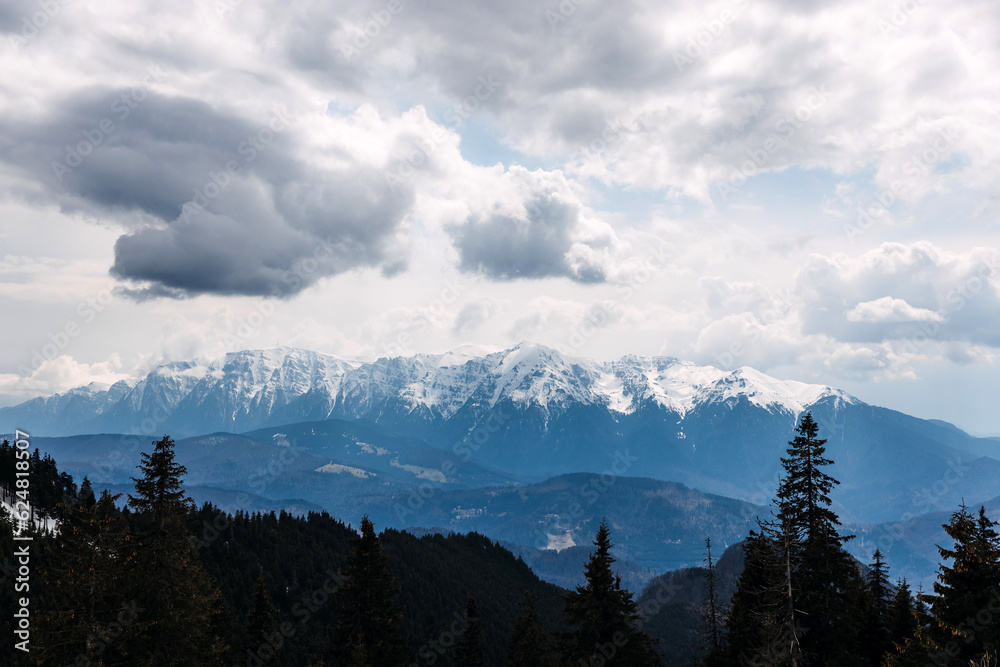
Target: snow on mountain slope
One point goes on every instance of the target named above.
(765, 391)
(250, 388)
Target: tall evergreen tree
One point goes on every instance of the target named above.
(469, 650)
(876, 641)
(369, 619)
(528, 646)
(603, 619)
(182, 607)
(762, 626)
(902, 620)
(968, 589)
(825, 579)
(260, 619)
(712, 617)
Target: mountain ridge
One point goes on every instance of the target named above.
(245, 389)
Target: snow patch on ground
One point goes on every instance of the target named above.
(558, 542)
(421, 473)
(372, 449)
(337, 469)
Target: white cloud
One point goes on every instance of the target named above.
(899, 291)
(58, 375)
(888, 309)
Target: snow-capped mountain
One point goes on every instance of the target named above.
(532, 412)
(257, 388)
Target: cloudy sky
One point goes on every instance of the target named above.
(806, 188)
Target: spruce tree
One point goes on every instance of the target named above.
(603, 619)
(182, 607)
(369, 618)
(902, 621)
(87, 615)
(260, 619)
(968, 590)
(528, 646)
(825, 579)
(86, 498)
(758, 625)
(875, 637)
(469, 650)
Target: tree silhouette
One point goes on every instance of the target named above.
(603, 619)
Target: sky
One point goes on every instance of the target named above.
(807, 188)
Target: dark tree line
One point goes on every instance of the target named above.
(149, 579)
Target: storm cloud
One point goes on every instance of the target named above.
(214, 203)
(543, 233)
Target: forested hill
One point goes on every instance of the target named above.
(300, 561)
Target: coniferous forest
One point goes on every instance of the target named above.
(148, 578)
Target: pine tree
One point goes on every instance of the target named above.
(902, 620)
(825, 579)
(603, 619)
(970, 585)
(469, 650)
(87, 614)
(528, 645)
(875, 637)
(260, 619)
(86, 498)
(369, 618)
(757, 626)
(711, 611)
(182, 607)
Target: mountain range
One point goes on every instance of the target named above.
(483, 440)
(531, 412)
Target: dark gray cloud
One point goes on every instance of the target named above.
(131, 149)
(237, 210)
(504, 247)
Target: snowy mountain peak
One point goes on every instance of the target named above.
(250, 388)
(766, 391)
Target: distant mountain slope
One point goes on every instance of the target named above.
(531, 413)
(355, 468)
(656, 525)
